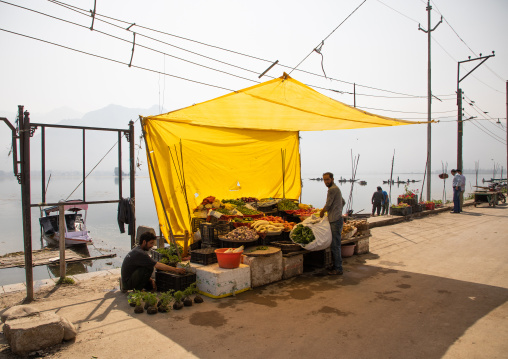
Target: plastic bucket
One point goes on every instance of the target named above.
(347, 250)
(228, 260)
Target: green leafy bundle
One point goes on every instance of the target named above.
(302, 234)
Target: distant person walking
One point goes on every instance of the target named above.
(377, 199)
(385, 204)
(456, 191)
(462, 187)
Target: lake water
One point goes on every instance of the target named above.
(102, 219)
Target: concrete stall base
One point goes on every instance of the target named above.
(265, 269)
(216, 282)
(292, 266)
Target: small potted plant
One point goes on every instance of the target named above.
(165, 300)
(187, 300)
(151, 301)
(136, 297)
(197, 297)
(177, 305)
(131, 299)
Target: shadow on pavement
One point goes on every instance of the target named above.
(370, 312)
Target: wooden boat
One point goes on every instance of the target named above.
(75, 231)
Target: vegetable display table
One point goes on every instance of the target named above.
(490, 197)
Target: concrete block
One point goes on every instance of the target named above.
(10, 288)
(264, 269)
(143, 229)
(43, 283)
(362, 246)
(292, 266)
(216, 282)
(70, 331)
(32, 333)
(18, 311)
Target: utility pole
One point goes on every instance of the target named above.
(24, 134)
(459, 102)
(429, 94)
(506, 132)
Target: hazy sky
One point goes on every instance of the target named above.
(378, 46)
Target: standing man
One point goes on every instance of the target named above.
(462, 187)
(385, 204)
(137, 266)
(456, 192)
(333, 206)
(377, 199)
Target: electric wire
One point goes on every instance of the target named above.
(162, 73)
(499, 77)
(483, 129)
(129, 41)
(445, 49)
(504, 143)
(116, 61)
(398, 12)
(422, 113)
(97, 16)
(194, 63)
(481, 112)
(330, 34)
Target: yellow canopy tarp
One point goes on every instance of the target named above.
(230, 147)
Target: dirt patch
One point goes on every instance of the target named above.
(211, 318)
(329, 310)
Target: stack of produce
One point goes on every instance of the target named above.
(208, 203)
(247, 211)
(303, 212)
(241, 234)
(288, 226)
(248, 199)
(262, 226)
(302, 235)
(236, 202)
(287, 205)
(347, 230)
(361, 224)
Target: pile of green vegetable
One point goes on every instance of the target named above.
(170, 254)
(302, 234)
(245, 210)
(287, 205)
(236, 202)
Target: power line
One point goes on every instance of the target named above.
(397, 11)
(330, 34)
(116, 61)
(185, 60)
(499, 77)
(381, 109)
(97, 16)
(484, 129)
(138, 44)
(504, 143)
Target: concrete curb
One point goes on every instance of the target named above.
(400, 219)
(39, 284)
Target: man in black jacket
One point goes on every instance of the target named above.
(377, 198)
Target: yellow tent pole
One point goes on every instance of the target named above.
(171, 236)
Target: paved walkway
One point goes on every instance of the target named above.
(431, 287)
